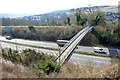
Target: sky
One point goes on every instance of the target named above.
(44, 6)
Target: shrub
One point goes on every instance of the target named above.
(31, 58)
(46, 34)
(11, 55)
(30, 27)
(101, 35)
(49, 67)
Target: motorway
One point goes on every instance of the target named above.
(54, 45)
(76, 58)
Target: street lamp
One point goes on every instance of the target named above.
(59, 53)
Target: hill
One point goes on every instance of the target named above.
(55, 18)
(56, 14)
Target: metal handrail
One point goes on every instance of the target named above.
(75, 45)
(74, 38)
(76, 35)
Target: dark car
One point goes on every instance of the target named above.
(8, 37)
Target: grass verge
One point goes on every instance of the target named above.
(92, 54)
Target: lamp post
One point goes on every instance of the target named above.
(59, 53)
(16, 45)
(1, 31)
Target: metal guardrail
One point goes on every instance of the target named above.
(68, 44)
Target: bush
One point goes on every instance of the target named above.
(30, 27)
(11, 55)
(108, 36)
(49, 67)
(32, 59)
(100, 35)
(46, 34)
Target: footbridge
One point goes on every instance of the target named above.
(69, 47)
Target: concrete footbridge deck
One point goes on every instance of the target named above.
(69, 47)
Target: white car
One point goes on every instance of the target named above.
(99, 50)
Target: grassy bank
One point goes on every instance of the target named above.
(38, 62)
(27, 65)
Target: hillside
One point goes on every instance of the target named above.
(11, 69)
(56, 14)
(60, 14)
(59, 18)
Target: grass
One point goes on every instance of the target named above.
(14, 70)
(92, 54)
(68, 70)
(111, 72)
(30, 58)
(11, 70)
(82, 53)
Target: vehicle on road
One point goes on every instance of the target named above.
(99, 50)
(62, 42)
(8, 37)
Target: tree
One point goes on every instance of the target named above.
(48, 22)
(68, 20)
(31, 28)
(83, 21)
(53, 22)
(77, 17)
(97, 19)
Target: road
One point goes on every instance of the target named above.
(76, 58)
(55, 46)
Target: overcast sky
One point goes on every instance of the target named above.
(43, 6)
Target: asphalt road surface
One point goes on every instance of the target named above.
(55, 46)
(75, 58)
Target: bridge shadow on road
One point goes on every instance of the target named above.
(113, 52)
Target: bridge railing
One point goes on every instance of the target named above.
(74, 46)
(68, 44)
